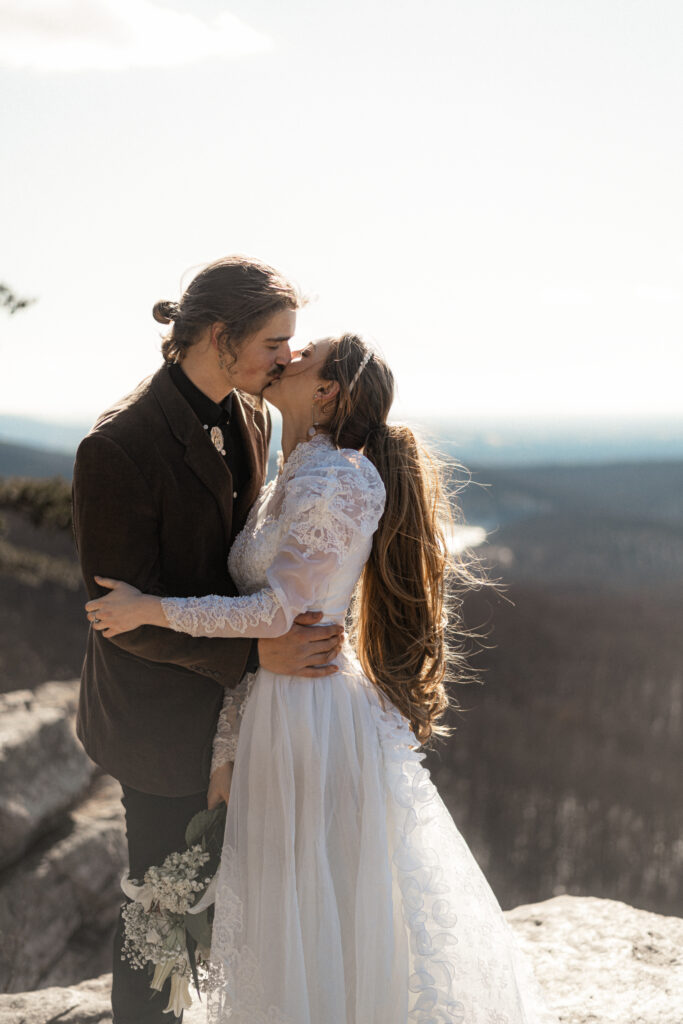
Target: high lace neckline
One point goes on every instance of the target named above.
(301, 452)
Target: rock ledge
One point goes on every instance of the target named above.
(597, 961)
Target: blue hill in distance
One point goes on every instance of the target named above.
(485, 442)
(518, 442)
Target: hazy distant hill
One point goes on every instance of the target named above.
(22, 460)
(510, 442)
(619, 524)
(518, 442)
(628, 490)
(57, 436)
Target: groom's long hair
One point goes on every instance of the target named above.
(238, 291)
(410, 581)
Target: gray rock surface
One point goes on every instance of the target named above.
(43, 768)
(68, 883)
(603, 962)
(597, 961)
(87, 1003)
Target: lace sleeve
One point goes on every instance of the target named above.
(229, 721)
(259, 614)
(324, 514)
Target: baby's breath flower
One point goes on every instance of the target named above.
(154, 922)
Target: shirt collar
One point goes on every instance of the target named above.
(205, 409)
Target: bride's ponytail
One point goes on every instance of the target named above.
(399, 609)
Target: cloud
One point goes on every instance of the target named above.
(565, 295)
(115, 35)
(658, 295)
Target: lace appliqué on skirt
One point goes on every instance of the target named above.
(235, 986)
(465, 966)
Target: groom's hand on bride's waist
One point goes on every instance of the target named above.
(307, 650)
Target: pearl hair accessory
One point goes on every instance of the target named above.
(366, 359)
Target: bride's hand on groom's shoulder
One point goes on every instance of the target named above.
(123, 609)
(219, 786)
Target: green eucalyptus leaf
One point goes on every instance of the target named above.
(199, 927)
(205, 823)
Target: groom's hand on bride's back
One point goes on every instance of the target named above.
(307, 650)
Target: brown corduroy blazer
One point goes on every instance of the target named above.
(153, 506)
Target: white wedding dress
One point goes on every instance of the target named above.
(346, 894)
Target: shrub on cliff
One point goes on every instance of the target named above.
(43, 502)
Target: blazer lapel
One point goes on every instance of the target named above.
(200, 455)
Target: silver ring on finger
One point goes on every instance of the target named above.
(95, 620)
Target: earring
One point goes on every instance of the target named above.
(312, 431)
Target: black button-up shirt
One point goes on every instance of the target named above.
(215, 414)
(219, 414)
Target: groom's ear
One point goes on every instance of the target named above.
(219, 336)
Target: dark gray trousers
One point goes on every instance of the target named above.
(155, 827)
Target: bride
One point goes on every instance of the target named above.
(345, 894)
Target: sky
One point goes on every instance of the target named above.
(489, 190)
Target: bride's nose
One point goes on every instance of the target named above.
(295, 359)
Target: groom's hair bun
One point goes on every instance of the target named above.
(238, 292)
(164, 312)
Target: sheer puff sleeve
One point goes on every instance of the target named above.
(326, 511)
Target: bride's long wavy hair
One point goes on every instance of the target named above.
(410, 582)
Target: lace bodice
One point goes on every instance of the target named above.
(303, 547)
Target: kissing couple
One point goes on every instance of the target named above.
(218, 670)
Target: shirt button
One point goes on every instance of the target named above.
(234, 494)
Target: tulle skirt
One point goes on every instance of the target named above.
(346, 894)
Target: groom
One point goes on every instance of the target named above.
(162, 485)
